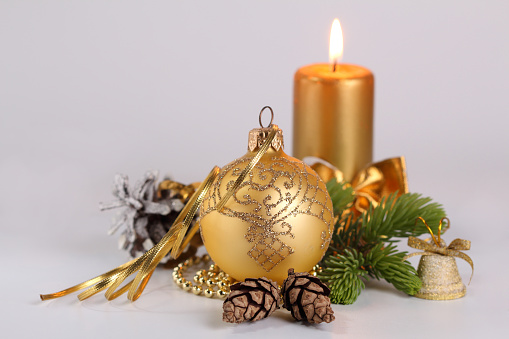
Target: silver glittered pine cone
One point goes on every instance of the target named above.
(145, 216)
(307, 298)
(251, 300)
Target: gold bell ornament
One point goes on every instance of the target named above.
(437, 268)
(278, 217)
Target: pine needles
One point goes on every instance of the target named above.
(344, 275)
(395, 217)
(342, 195)
(363, 246)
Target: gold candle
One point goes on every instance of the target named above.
(333, 111)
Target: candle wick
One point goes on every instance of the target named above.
(334, 66)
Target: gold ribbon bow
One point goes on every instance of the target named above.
(438, 245)
(370, 184)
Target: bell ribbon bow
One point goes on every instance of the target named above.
(372, 183)
(438, 246)
(175, 240)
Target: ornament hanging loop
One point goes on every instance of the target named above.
(271, 116)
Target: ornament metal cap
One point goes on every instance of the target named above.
(258, 135)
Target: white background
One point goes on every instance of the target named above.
(92, 88)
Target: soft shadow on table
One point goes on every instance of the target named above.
(286, 316)
(68, 301)
(279, 319)
(384, 287)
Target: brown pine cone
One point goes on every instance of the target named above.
(307, 298)
(251, 300)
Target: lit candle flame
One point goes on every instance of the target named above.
(335, 44)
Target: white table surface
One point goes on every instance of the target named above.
(41, 263)
(89, 89)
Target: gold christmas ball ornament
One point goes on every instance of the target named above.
(261, 215)
(279, 216)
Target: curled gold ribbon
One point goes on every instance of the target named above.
(146, 263)
(372, 183)
(174, 240)
(438, 246)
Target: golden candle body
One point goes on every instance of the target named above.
(333, 115)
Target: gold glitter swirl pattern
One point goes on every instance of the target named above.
(281, 188)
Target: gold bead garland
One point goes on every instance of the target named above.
(206, 280)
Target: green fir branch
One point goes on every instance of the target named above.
(396, 217)
(342, 195)
(343, 274)
(363, 247)
(388, 263)
(347, 234)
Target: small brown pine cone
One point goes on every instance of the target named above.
(307, 298)
(251, 300)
